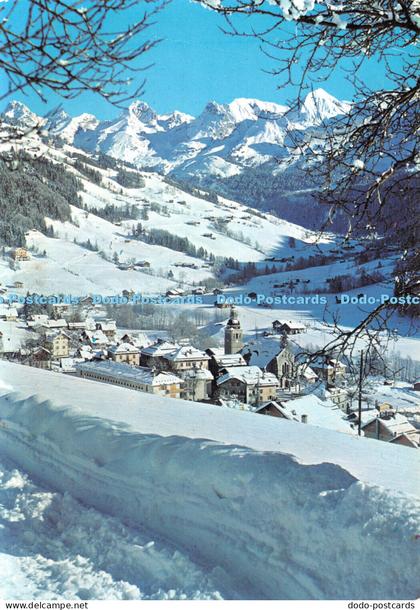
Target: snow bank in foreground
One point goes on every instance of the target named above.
(57, 548)
(279, 528)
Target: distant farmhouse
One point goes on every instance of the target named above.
(20, 254)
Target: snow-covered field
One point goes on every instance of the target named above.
(269, 508)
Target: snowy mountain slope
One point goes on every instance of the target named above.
(62, 124)
(19, 115)
(219, 228)
(320, 105)
(263, 500)
(246, 132)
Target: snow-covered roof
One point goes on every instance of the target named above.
(39, 318)
(7, 311)
(88, 353)
(284, 412)
(124, 348)
(159, 348)
(51, 335)
(396, 424)
(250, 375)
(292, 324)
(229, 360)
(186, 352)
(197, 373)
(107, 325)
(97, 337)
(264, 349)
(408, 438)
(319, 413)
(308, 373)
(139, 374)
(60, 323)
(138, 339)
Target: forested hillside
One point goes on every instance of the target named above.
(31, 189)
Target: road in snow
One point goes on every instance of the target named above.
(53, 547)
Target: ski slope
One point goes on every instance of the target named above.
(271, 508)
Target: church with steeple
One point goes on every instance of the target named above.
(233, 333)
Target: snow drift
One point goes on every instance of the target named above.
(280, 528)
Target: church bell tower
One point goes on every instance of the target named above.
(233, 333)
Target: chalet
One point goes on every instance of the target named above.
(387, 425)
(21, 254)
(199, 290)
(55, 324)
(274, 409)
(219, 361)
(340, 397)
(311, 410)
(329, 369)
(89, 353)
(174, 292)
(9, 314)
(96, 339)
(40, 358)
(142, 264)
(290, 327)
(86, 301)
(138, 339)
(197, 384)
(416, 386)
(125, 352)
(142, 379)
(37, 320)
(249, 384)
(405, 440)
(125, 267)
(153, 355)
(217, 291)
(108, 327)
(128, 294)
(58, 344)
(185, 357)
(18, 284)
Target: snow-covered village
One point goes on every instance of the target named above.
(209, 348)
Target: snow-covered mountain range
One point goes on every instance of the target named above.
(221, 142)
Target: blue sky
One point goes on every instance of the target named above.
(196, 63)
